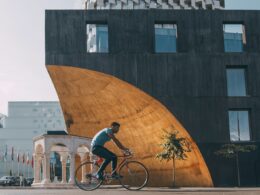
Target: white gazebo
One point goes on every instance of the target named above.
(64, 149)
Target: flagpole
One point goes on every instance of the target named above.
(5, 159)
(12, 159)
(5, 166)
(18, 168)
(24, 173)
(27, 163)
(32, 163)
(18, 162)
(24, 167)
(12, 167)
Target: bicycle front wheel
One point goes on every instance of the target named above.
(85, 176)
(134, 175)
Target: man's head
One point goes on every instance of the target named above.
(115, 127)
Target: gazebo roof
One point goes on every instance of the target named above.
(57, 133)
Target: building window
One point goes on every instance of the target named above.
(239, 125)
(236, 81)
(165, 38)
(97, 38)
(234, 37)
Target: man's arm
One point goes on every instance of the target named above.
(117, 142)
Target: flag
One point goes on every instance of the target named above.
(18, 157)
(12, 154)
(27, 160)
(23, 158)
(5, 155)
(32, 162)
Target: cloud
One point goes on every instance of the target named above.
(6, 88)
(78, 4)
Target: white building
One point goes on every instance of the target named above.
(26, 120)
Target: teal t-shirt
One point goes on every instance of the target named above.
(101, 137)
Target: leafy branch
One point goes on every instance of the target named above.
(174, 148)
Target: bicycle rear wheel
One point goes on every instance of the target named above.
(134, 175)
(85, 176)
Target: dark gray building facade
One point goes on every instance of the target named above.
(191, 82)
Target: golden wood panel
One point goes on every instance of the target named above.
(91, 100)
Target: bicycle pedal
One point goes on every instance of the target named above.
(88, 175)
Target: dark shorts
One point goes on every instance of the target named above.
(102, 152)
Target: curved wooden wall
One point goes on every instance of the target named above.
(92, 100)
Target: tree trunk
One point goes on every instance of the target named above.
(238, 171)
(173, 168)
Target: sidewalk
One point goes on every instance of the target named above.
(116, 190)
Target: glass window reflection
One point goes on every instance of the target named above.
(236, 83)
(165, 38)
(102, 38)
(97, 38)
(239, 125)
(234, 37)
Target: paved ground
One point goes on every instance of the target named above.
(146, 191)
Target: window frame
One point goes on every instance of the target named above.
(154, 36)
(249, 124)
(245, 67)
(86, 36)
(245, 35)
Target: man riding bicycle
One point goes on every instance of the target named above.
(97, 148)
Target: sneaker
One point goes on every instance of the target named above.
(99, 176)
(116, 176)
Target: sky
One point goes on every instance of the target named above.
(23, 76)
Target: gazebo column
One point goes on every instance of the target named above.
(92, 158)
(46, 168)
(72, 167)
(36, 172)
(83, 158)
(63, 164)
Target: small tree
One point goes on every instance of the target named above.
(174, 148)
(232, 150)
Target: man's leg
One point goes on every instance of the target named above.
(107, 155)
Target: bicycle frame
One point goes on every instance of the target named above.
(126, 157)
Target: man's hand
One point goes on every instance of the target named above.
(126, 149)
(127, 152)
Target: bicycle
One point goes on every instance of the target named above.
(133, 174)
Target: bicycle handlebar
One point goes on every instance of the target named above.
(127, 153)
